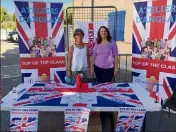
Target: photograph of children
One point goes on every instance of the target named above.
(42, 47)
(156, 49)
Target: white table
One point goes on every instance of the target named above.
(59, 99)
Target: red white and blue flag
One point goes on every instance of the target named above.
(163, 27)
(124, 123)
(154, 20)
(23, 120)
(76, 119)
(130, 119)
(44, 20)
(67, 95)
(28, 27)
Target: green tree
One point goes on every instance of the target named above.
(7, 20)
(14, 17)
(9, 24)
(3, 13)
(68, 16)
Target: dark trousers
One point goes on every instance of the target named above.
(107, 118)
(103, 75)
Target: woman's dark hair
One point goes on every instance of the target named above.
(99, 39)
(78, 30)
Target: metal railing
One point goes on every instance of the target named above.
(125, 68)
(90, 14)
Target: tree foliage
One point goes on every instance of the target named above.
(7, 20)
(14, 17)
(68, 16)
(3, 14)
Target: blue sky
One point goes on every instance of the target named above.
(9, 4)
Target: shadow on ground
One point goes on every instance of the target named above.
(10, 56)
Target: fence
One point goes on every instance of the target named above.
(100, 14)
(125, 68)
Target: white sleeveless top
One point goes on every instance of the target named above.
(79, 60)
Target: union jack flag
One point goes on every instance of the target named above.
(148, 75)
(158, 30)
(38, 96)
(121, 96)
(75, 121)
(70, 120)
(56, 74)
(28, 28)
(129, 123)
(35, 69)
(23, 124)
(148, 78)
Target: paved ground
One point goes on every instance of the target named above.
(53, 121)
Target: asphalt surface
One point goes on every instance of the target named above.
(54, 121)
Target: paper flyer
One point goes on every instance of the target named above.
(130, 119)
(23, 119)
(76, 119)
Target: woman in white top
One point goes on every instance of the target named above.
(78, 59)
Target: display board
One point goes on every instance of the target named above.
(40, 27)
(154, 47)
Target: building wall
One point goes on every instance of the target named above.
(126, 5)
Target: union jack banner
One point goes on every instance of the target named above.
(76, 119)
(151, 21)
(120, 95)
(130, 120)
(41, 39)
(154, 46)
(24, 120)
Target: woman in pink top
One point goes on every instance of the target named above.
(105, 57)
(105, 65)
